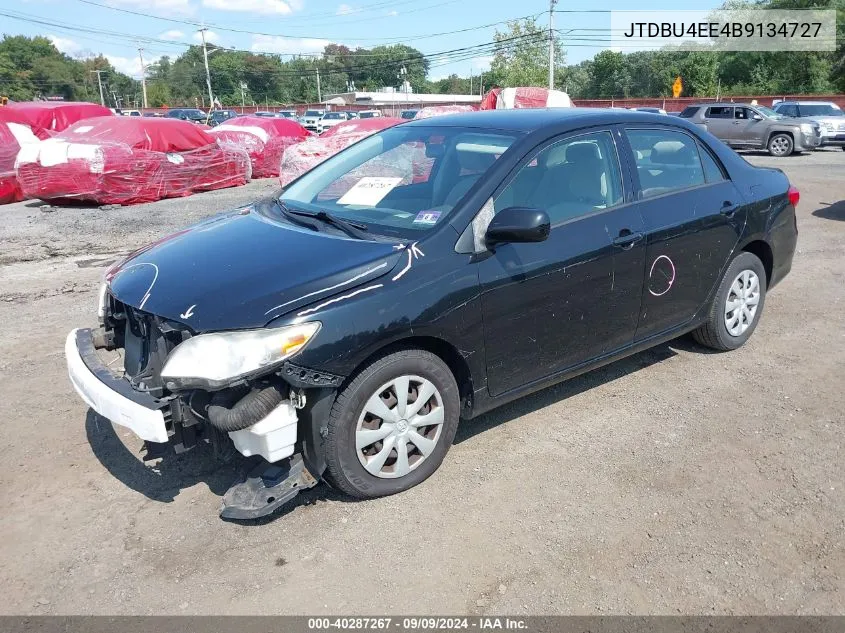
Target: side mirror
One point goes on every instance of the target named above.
(518, 224)
(757, 117)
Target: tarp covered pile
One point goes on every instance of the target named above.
(126, 160)
(14, 132)
(529, 97)
(301, 157)
(264, 139)
(431, 111)
(48, 117)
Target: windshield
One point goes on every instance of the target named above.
(313, 113)
(408, 114)
(820, 109)
(332, 115)
(400, 182)
(768, 112)
(366, 115)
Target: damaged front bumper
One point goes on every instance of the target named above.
(111, 396)
(273, 482)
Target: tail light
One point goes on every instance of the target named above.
(794, 195)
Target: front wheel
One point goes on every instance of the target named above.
(780, 145)
(737, 306)
(391, 427)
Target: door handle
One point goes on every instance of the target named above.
(626, 239)
(729, 208)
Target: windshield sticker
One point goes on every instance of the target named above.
(427, 217)
(369, 191)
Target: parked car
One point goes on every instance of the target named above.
(408, 114)
(287, 114)
(351, 115)
(370, 114)
(130, 113)
(827, 114)
(195, 115)
(310, 119)
(330, 119)
(743, 126)
(219, 116)
(381, 309)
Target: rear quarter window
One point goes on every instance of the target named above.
(719, 112)
(688, 112)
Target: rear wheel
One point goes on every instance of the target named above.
(780, 145)
(391, 427)
(737, 306)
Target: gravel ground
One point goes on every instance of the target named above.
(676, 481)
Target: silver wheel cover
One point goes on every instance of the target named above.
(741, 304)
(399, 426)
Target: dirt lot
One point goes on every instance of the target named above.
(676, 481)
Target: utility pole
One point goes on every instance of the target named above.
(207, 72)
(470, 79)
(319, 94)
(243, 98)
(143, 76)
(100, 83)
(552, 4)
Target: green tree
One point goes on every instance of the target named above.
(521, 54)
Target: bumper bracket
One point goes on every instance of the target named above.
(266, 488)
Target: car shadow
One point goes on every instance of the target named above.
(834, 211)
(574, 386)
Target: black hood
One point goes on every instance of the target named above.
(243, 269)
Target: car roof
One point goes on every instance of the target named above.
(529, 119)
(805, 103)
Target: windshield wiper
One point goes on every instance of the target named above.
(357, 230)
(292, 216)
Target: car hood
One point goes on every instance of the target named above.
(835, 121)
(243, 269)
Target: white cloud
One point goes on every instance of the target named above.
(482, 63)
(65, 45)
(345, 9)
(130, 65)
(161, 7)
(393, 13)
(210, 37)
(172, 35)
(287, 45)
(266, 7)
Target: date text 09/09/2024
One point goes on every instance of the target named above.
(416, 623)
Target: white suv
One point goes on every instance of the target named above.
(827, 114)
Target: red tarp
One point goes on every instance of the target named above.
(10, 115)
(55, 116)
(12, 136)
(265, 140)
(126, 160)
(525, 97)
(301, 157)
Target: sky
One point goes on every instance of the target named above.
(83, 28)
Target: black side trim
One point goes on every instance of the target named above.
(306, 378)
(85, 345)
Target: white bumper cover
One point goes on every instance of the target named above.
(148, 424)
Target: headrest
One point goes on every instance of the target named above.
(582, 152)
(475, 161)
(672, 153)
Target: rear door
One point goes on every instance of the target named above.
(719, 121)
(694, 216)
(553, 305)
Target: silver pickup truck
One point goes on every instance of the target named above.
(745, 126)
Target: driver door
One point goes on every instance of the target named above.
(747, 130)
(553, 305)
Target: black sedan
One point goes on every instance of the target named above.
(429, 273)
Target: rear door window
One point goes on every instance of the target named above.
(688, 112)
(720, 112)
(666, 161)
(787, 110)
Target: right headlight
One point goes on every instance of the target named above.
(215, 360)
(806, 128)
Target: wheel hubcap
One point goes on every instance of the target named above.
(399, 426)
(741, 305)
(780, 145)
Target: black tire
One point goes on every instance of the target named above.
(344, 469)
(780, 145)
(714, 332)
